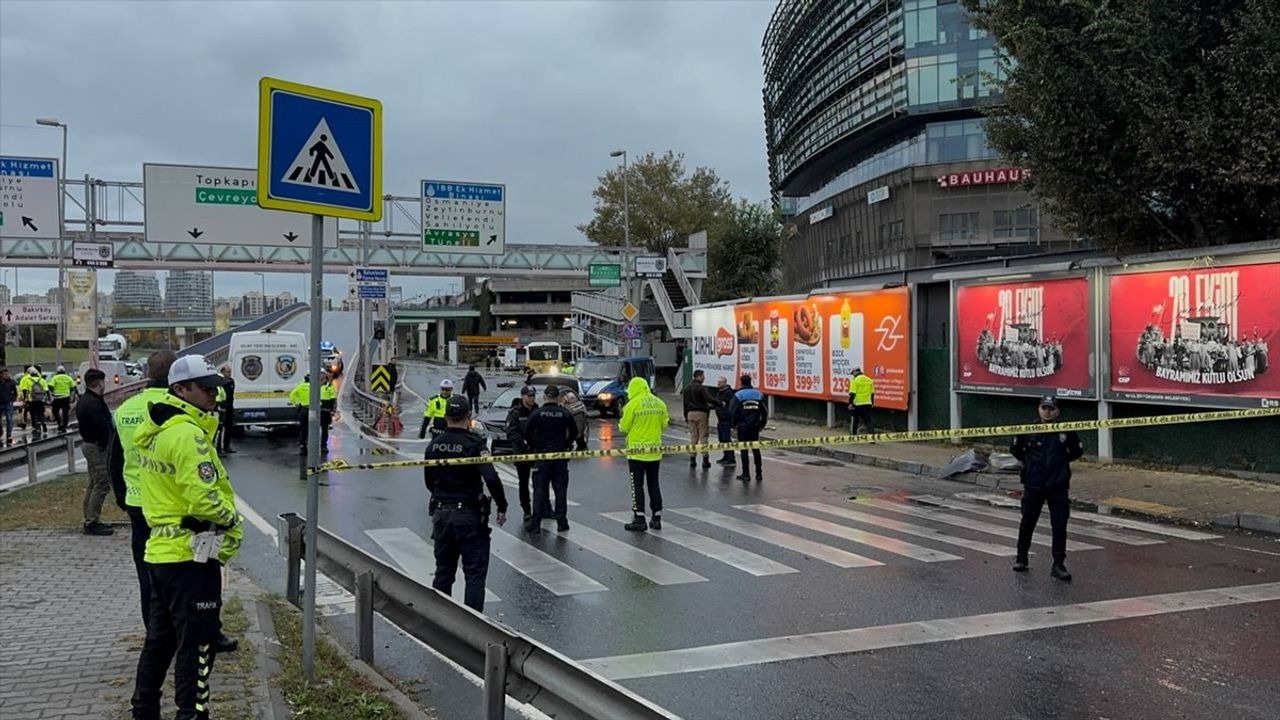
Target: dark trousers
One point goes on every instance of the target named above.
(223, 442)
(474, 399)
(139, 532)
(62, 412)
(186, 599)
(1034, 498)
(645, 472)
(461, 534)
(549, 476)
(861, 413)
(523, 470)
(747, 435)
(35, 413)
(724, 434)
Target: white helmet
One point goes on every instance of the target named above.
(62, 368)
(446, 384)
(32, 370)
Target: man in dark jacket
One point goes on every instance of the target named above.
(518, 435)
(698, 403)
(1046, 477)
(228, 409)
(724, 419)
(96, 430)
(750, 415)
(8, 394)
(551, 429)
(472, 384)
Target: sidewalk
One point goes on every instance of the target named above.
(1155, 494)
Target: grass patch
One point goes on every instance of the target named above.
(46, 357)
(338, 693)
(56, 504)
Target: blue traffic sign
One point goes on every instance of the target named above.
(371, 292)
(373, 275)
(632, 331)
(319, 151)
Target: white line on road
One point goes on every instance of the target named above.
(879, 542)
(842, 642)
(540, 567)
(804, 546)
(628, 557)
(255, 519)
(416, 557)
(1124, 522)
(1252, 550)
(1008, 515)
(911, 529)
(744, 560)
(968, 523)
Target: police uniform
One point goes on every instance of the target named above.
(60, 387)
(551, 429)
(862, 390)
(433, 413)
(749, 415)
(300, 399)
(328, 404)
(517, 435)
(125, 475)
(1046, 478)
(459, 508)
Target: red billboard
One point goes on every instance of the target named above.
(1030, 338)
(1199, 336)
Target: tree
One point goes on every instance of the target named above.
(743, 261)
(1147, 124)
(667, 204)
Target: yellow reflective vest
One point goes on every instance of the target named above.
(61, 385)
(643, 419)
(301, 395)
(128, 418)
(861, 388)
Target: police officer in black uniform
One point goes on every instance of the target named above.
(1046, 477)
(550, 428)
(459, 508)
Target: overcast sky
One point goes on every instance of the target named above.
(531, 94)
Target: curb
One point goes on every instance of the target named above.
(403, 702)
(262, 633)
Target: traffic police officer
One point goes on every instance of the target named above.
(433, 415)
(328, 404)
(60, 386)
(862, 397)
(1046, 478)
(189, 504)
(300, 399)
(459, 508)
(551, 428)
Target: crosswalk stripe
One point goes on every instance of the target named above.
(804, 546)
(1006, 515)
(540, 567)
(879, 542)
(744, 560)
(627, 556)
(968, 523)
(416, 557)
(1124, 522)
(911, 529)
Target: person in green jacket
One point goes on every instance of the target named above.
(328, 405)
(60, 387)
(189, 504)
(433, 414)
(300, 399)
(862, 397)
(644, 417)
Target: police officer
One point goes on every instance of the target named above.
(228, 406)
(60, 387)
(328, 404)
(36, 391)
(862, 397)
(518, 435)
(1046, 478)
(459, 508)
(643, 420)
(750, 414)
(300, 399)
(724, 419)
(551, 429)
(189, 504)
(433, 415)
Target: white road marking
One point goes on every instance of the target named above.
(804, 546)
(416, 557)
(1006, 515)
(255, 519)
(744, 560)
(509, 478)
(627, 556)
(968, 523)
(1124, 522)
(879, 542)
(547, 571)
(1252, 550)
(911, 529)
(841, 642)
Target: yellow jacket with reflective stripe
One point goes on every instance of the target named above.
(436, 407)
(128, 418)
(643, 419)
(328, 392)
(181, 476)
(861, 387)
(301, 395)
(61, 385)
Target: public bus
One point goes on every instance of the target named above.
(542, 357)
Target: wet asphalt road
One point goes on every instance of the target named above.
(903, 563)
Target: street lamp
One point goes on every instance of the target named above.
(62, 191)
(626, 220)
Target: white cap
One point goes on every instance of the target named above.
(194, 368)
(446, 384)
(62, 368)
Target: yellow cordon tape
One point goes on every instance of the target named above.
(992, 431)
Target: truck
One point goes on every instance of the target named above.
(266, 365)
(113, 346)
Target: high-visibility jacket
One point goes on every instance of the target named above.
(643, 419)
(180, 477)
(433, 414)
(128, 418)
(61, 385)
(861, 388)
(301, 395)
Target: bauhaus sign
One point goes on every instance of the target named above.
(994, 176)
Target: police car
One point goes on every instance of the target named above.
(330, 358)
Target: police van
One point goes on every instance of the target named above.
(265, 366)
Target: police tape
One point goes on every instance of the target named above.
(340, 464)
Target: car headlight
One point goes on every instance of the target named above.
(606, 396)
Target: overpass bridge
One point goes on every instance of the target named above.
(197, 324)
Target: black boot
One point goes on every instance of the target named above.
(224, 644)
(706, 461)
(637, 525)
(1020, 564)
(745, 477)
(656, 522)
(693, 461)
(1059, 571)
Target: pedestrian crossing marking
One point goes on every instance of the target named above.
(969, 523)
(911, 529)
(1117, 537)
(417, 558)
(629, 557)
(1124, 522)
(744, 560)
(804, 546)
(319, 163)
(879, 542)
(512, 480)
(547, 571)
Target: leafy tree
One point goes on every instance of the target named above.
(667, 204)
(1147, 124)
(744, 260)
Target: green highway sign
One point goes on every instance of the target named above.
(604, 275)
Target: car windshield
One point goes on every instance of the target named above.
(108, 345)
(544, 352)
(511, 394)
(507, 397)
(598, 369)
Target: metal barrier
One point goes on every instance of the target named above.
(510, 663)
(48, 446)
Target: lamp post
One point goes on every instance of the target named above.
(626, 221)
(62, 190)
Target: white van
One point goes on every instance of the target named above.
(266, 365)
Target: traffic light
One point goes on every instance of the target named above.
(379, 330)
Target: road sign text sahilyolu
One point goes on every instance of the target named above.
(382, 378)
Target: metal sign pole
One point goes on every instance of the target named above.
(313, 448)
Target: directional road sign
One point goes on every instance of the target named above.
(319, 151)
(93, 254)
(464, 217)
(219, 206)
(371, 292)
(31, 314)
(29, 198)
(604, 275)
(382, 378)
(371, 275)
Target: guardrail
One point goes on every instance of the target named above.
(34, 449)
(510, 663)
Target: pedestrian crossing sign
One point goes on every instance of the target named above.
(319, 151)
